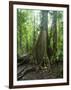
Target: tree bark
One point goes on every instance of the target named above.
(40, 51)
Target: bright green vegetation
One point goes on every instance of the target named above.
(40, 38)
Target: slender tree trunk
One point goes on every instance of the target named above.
(34, 32)
(26, 42)
(54, 33)
(20, 32)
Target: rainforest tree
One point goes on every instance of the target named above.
(40, 36)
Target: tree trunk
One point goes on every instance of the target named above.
(40, 50)
(34, 32)
(54, 34)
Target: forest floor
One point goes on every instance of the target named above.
(28, 72)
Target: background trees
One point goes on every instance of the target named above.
(40, 34)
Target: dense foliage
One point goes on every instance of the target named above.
(30, 27)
